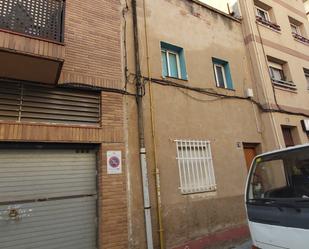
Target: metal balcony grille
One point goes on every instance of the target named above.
(196, 171)
(40, 18)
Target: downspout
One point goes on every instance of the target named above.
(141, 133)
(153, 135)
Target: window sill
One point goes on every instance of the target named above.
(302, 42)
(224, 88)
(268, 27)
(208, 191)
(283, 85)
(174, 79)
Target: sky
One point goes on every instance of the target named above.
(219, 4)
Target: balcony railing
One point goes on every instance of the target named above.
(300, 38)
(38, 18)
(269, 24)
(285, 84)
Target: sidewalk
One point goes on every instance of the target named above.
(245, 245)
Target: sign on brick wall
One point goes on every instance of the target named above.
(114, 162)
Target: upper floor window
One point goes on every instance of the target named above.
(280, 74)
(295, 29)
(306, 71)
(222, 73)
(276, 71)
(173, 61)
(263, 14)
(298, 31)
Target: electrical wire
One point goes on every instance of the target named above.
(211, 92)
(95, 88)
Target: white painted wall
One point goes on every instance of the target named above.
(219, 4)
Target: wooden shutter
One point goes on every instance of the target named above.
(287, 135)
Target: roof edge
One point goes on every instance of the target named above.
(215, 10)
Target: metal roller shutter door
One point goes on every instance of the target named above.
(47, 199)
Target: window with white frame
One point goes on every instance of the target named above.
(196, 171)
(171, 62)
(263, 14)
(220, 75)
(306, 71)
(276, 71)
(295, 29)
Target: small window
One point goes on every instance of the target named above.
(222, 73)
(195, 164)
(306, 71)
(173, 63)
(276, 72)
(295, 29)
(263, 14)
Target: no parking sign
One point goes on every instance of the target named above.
(114, 162)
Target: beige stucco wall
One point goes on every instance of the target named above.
(262, 42)
(183, 114)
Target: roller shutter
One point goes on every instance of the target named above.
(47, 199)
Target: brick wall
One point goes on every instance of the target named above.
(113, 232)
(93, 43)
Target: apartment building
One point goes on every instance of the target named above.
(201, 121)
(62, 142)
(276, 35)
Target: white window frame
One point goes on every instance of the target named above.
(167, 52)
(265, 11)
(279, 67)
(307, 79)
(296, 27)
(223, 74)
(196, 171)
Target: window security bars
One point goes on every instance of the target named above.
(195, 164)
(40, 18)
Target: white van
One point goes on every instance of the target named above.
(277, 199)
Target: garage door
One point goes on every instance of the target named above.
(47, 199)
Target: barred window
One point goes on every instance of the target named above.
(195, 164)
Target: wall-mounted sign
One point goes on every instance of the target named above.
(114, 162)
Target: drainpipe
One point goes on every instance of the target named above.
(141, 133)
(153, 134)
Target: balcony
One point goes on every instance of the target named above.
(300, 38)
(268, 24)
(31, 39)
(284, 84)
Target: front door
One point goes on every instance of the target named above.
(250, 153)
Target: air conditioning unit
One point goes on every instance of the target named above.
(305, 125)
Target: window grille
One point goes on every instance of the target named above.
(195, 164)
